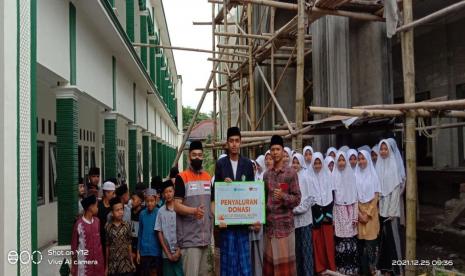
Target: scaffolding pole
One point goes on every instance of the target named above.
(299, 94)
(408, 66)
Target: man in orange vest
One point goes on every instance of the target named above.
(193, 213)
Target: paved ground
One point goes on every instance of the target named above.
(53, 257)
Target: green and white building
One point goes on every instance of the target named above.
(75, 93)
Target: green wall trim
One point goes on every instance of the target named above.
(154, 158)
(134, 100)
(72, 44)
(132, 158)
(113, 72)
(111, 153)
(67, 166)
(152, 61)
(143, 39)
(130, 19)
(146, 159)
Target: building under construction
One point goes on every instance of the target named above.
(350, 72)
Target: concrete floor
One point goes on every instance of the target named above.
(53, 257)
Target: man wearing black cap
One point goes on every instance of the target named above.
(194, 216)
(234, 246)
(283, 195)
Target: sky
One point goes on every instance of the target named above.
(193, 66)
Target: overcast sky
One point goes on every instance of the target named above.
(193, 66)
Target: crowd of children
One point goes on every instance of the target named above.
(340, 212)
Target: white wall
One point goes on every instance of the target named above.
(47, 212)
(141, 115)
(120, 6)
(151, 118)
(124, 92)
(53, 36)
(8, 158)
(94, 62)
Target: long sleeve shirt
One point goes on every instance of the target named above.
(279, 217)
(148, 243)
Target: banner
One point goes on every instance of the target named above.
(240, 202)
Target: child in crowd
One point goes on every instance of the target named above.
(118, 238)
(136, 200)
(148, 247)
(165, 226)
(86, 238)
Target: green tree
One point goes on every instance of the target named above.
(188, 114)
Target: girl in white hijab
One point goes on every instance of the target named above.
(268, 160)
(345, 216)
(374, 154)
(287, 157)
(352, 155)
(368, 187)
(303, 218)
(261, 168)
(308, 154)
(322, 212)
(344, 149)
(331, 152)
(329, 162)
(391, 179)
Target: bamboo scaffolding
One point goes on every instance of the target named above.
(251, 95)
(182, 49)
(224, 60)
(317, 10)
(274, 90)
(299, 95)
(436, 105)
(278, 106)
(196, 113)
(431, 17)
(215, 91)
(252, 36)
(365, 113)
(231, 46)
(408, 66)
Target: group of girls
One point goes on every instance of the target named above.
(349, 217)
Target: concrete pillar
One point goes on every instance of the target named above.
(132, 156)
(67, 131)
(111, 153)
(146, 158)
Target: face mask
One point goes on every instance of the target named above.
(196, 164)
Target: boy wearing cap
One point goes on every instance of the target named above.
(192, 204)
(166, 230)
(86, 238)
(283, 195)
(148, 247)
(104, 208)
(94, 180)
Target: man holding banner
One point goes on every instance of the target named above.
(234, 239)
(283, 195)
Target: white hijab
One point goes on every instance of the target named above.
(388, 169)
(365, 148)
(309, 164)
(321, 182)
(344, 149)
(331, 149)
(328, 160)
(344, 182)
(305, 183)
(367, 181)
(349, 153)
(261, 162)
(399, 160)
(289, 152)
